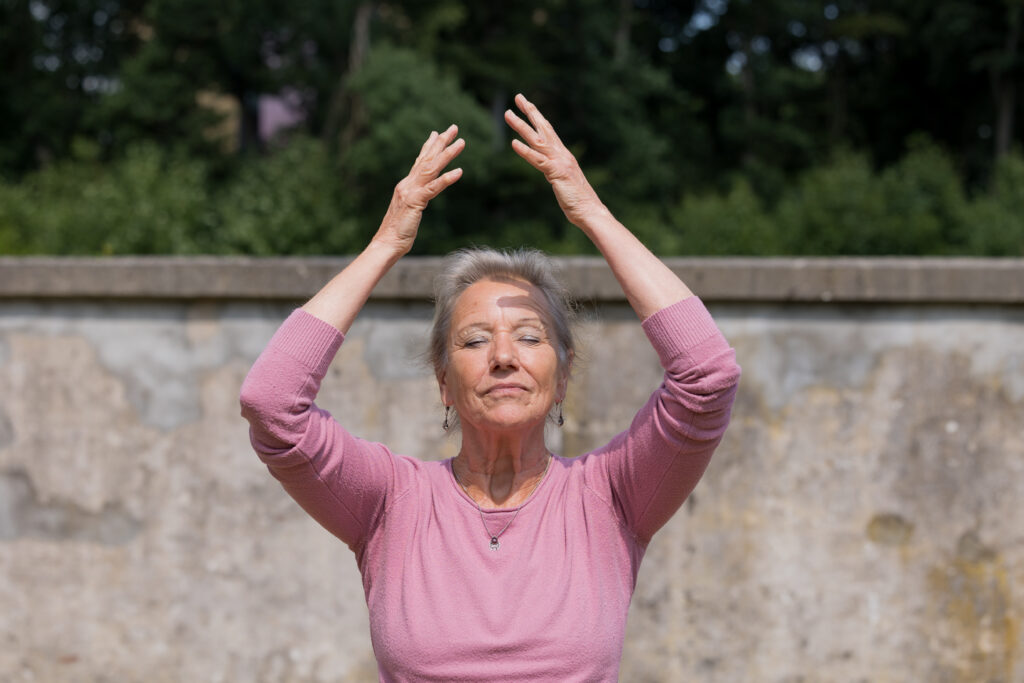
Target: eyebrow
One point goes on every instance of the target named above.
(522, 322)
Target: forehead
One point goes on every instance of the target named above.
(506, 298)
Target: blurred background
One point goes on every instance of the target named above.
(776, 127)
(861, 520)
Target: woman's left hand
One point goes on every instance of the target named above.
(648, 283)
(542, 149)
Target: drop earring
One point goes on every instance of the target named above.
(561, 420)
(446, 425)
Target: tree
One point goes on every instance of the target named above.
(61, 58)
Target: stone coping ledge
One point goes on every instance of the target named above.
(820, 280)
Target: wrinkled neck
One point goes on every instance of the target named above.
(501, 470)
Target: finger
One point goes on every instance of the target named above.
(450, 133)
(428, 167)
(521, 127)
(450, 152)
(442, 182)
(537, 119)
(426, 145)
(429, 140)
(532, 156)
(444, 138)
(436, 145)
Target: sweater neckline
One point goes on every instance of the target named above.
(466, 498)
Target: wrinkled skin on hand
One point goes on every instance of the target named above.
(543, 149)
(424, 182)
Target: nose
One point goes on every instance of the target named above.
(503, 352)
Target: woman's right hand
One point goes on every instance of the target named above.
(341, 299)
(412, 194)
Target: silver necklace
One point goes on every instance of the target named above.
(494, 545)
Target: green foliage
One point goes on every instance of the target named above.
(924, 204)
(291, 202)
(404, 97)
(719, 225)
(768, 127)
(914, 207)
(995, 221)
(835, 209)
(149, 202)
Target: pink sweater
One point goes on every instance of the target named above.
(551, 603)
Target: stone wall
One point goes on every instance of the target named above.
(861, 520)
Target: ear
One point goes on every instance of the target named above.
(442, 384)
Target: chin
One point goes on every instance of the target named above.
(506, 423)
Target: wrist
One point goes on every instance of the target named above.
(593, 215)
(387, 250)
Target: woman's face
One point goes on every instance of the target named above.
(502, 370)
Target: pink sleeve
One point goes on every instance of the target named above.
(341, 481)
(647, 471)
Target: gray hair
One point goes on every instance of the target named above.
(464, 267)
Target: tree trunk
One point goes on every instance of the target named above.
(838, 86)
(622, 32)
(749, 89)
(249, 122)
(345, 108)
(1005, 110)
(499, 103)
(1004, 86)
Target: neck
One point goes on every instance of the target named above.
(501, 470)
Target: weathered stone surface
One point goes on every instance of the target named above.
(949, 280)
(861, 520)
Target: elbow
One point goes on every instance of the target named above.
(269, 410)
(719, 382)
(709, 392)
(723, 388)
(727, 375)
(253, 401)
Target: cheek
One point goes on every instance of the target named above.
(547, 371)
(459, 376)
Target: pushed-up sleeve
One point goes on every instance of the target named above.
(648, 470)
(340, 480)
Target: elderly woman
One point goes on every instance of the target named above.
(506, 562)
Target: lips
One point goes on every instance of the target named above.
(509, 389)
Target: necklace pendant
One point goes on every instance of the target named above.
(494, 543)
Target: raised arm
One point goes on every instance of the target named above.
(342, 481)
(648, 283)
(343, 297)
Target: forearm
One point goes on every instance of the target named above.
(341, 299)
(657, 462)
(648, 283)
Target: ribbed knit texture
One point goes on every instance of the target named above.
(551, 603)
